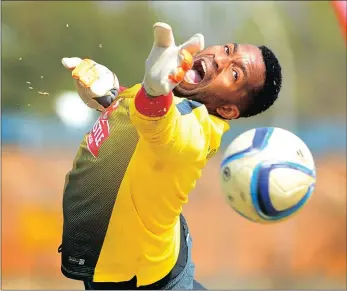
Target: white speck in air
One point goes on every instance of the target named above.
(29, 105)
(43, 93)
(100, 45)
(28, 82)
(20, 59)
(67, 25)
(31, 88)
(41, 77)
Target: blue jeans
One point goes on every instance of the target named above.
(183, 281)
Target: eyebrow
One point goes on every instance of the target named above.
(240, 64)
(236, 46)
(243, 69)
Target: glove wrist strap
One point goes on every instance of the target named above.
(152, 107)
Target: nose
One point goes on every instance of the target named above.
(221, 61)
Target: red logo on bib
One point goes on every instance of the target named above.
(100, 131)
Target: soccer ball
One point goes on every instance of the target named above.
(267, 174)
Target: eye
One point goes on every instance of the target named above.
(235, 75)
(227, 50)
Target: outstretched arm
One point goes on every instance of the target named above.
(153, 111)
(174, 135)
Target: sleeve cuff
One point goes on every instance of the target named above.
(152, 106)
(121, 89)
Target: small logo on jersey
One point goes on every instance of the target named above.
(77, 261)
(100, 131)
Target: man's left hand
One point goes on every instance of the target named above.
(167, 63)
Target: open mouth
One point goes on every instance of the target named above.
(197, 73)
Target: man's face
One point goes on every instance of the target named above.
(222, 76)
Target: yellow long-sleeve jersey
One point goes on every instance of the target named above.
(131, 176)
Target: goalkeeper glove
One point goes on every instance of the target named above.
(167, 63)
(97, 86)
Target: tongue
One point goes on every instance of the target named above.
(194, 76)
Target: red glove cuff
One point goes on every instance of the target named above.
(152, 106)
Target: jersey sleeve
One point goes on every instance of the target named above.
(169, 133)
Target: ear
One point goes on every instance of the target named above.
(229, 111)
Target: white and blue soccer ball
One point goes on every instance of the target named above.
(267, 174)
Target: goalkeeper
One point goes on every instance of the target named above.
(123, 198)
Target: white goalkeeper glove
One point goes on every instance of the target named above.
(96, 85)
(167, 63)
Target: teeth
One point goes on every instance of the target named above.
(204, 66)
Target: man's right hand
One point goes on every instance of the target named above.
(96, 85)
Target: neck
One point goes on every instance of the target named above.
(201, 98)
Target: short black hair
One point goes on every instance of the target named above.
(261, 99)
